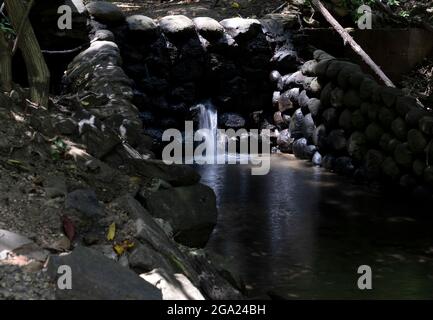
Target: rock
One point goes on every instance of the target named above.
(297, 124)
(287, 99)
(191, 211)
(352, 100)
(373, 163)
(308, 127)
(55, 186)
(274, 76)
(242, 29)
(428, 175)
(142, 25)
(144, 258)
(303, 102)
(330, 117)
(389, 95)
(105, 12)
(285, 141)
(281, 121)
(319, 137)
(176, 175)
(173, 286)
(358, 120)
(426, 125)
(177, 27)
(386, 116)
(308, 68)
(391, 169)
(403, 156)
(104, 35)
(336, 97)
(356, 79)
(357, 146)
(418, 167)
(317, 159)
(97, 277)
(285, 59)
(399, 128)
(231, 120)
(345, 120)
(314, 106)
(337, 140)
(416, 141)
(299, 147)
(321, 67)
(209, 28)
(328, 162)
(413, 117)
(367, 88)
(85, 201)
(373, 132)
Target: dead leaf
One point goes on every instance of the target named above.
(111, 232)
(68, 227)
(120, 248)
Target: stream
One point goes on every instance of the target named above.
(300, 232)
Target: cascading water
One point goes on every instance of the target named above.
(208, 128)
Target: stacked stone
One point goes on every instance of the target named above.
(177, 62)
(357, 125)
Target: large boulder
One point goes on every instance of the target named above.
(209, 28)
(177, 27)
(242, 29)
(176, 175)
(191, 211)
(105, 12)
(143, 25)
(96, 277)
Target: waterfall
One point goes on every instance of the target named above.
(208, 123)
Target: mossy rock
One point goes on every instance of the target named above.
(399, 128)
(357, 145)
(358, 120)
(418, 167)
(373, 132)
(352, 99)
(403, 155)
(391, 169)
(386, 117)
(416, 141)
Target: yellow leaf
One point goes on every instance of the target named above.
(111, 232)
(119, 249)
(236, 5)
(85, 103)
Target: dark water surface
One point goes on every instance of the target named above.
(302, 232)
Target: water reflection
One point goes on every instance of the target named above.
(301, 232)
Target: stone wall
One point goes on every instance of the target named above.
(177, 62)
(332, 113)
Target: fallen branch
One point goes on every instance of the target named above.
(348, 39)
